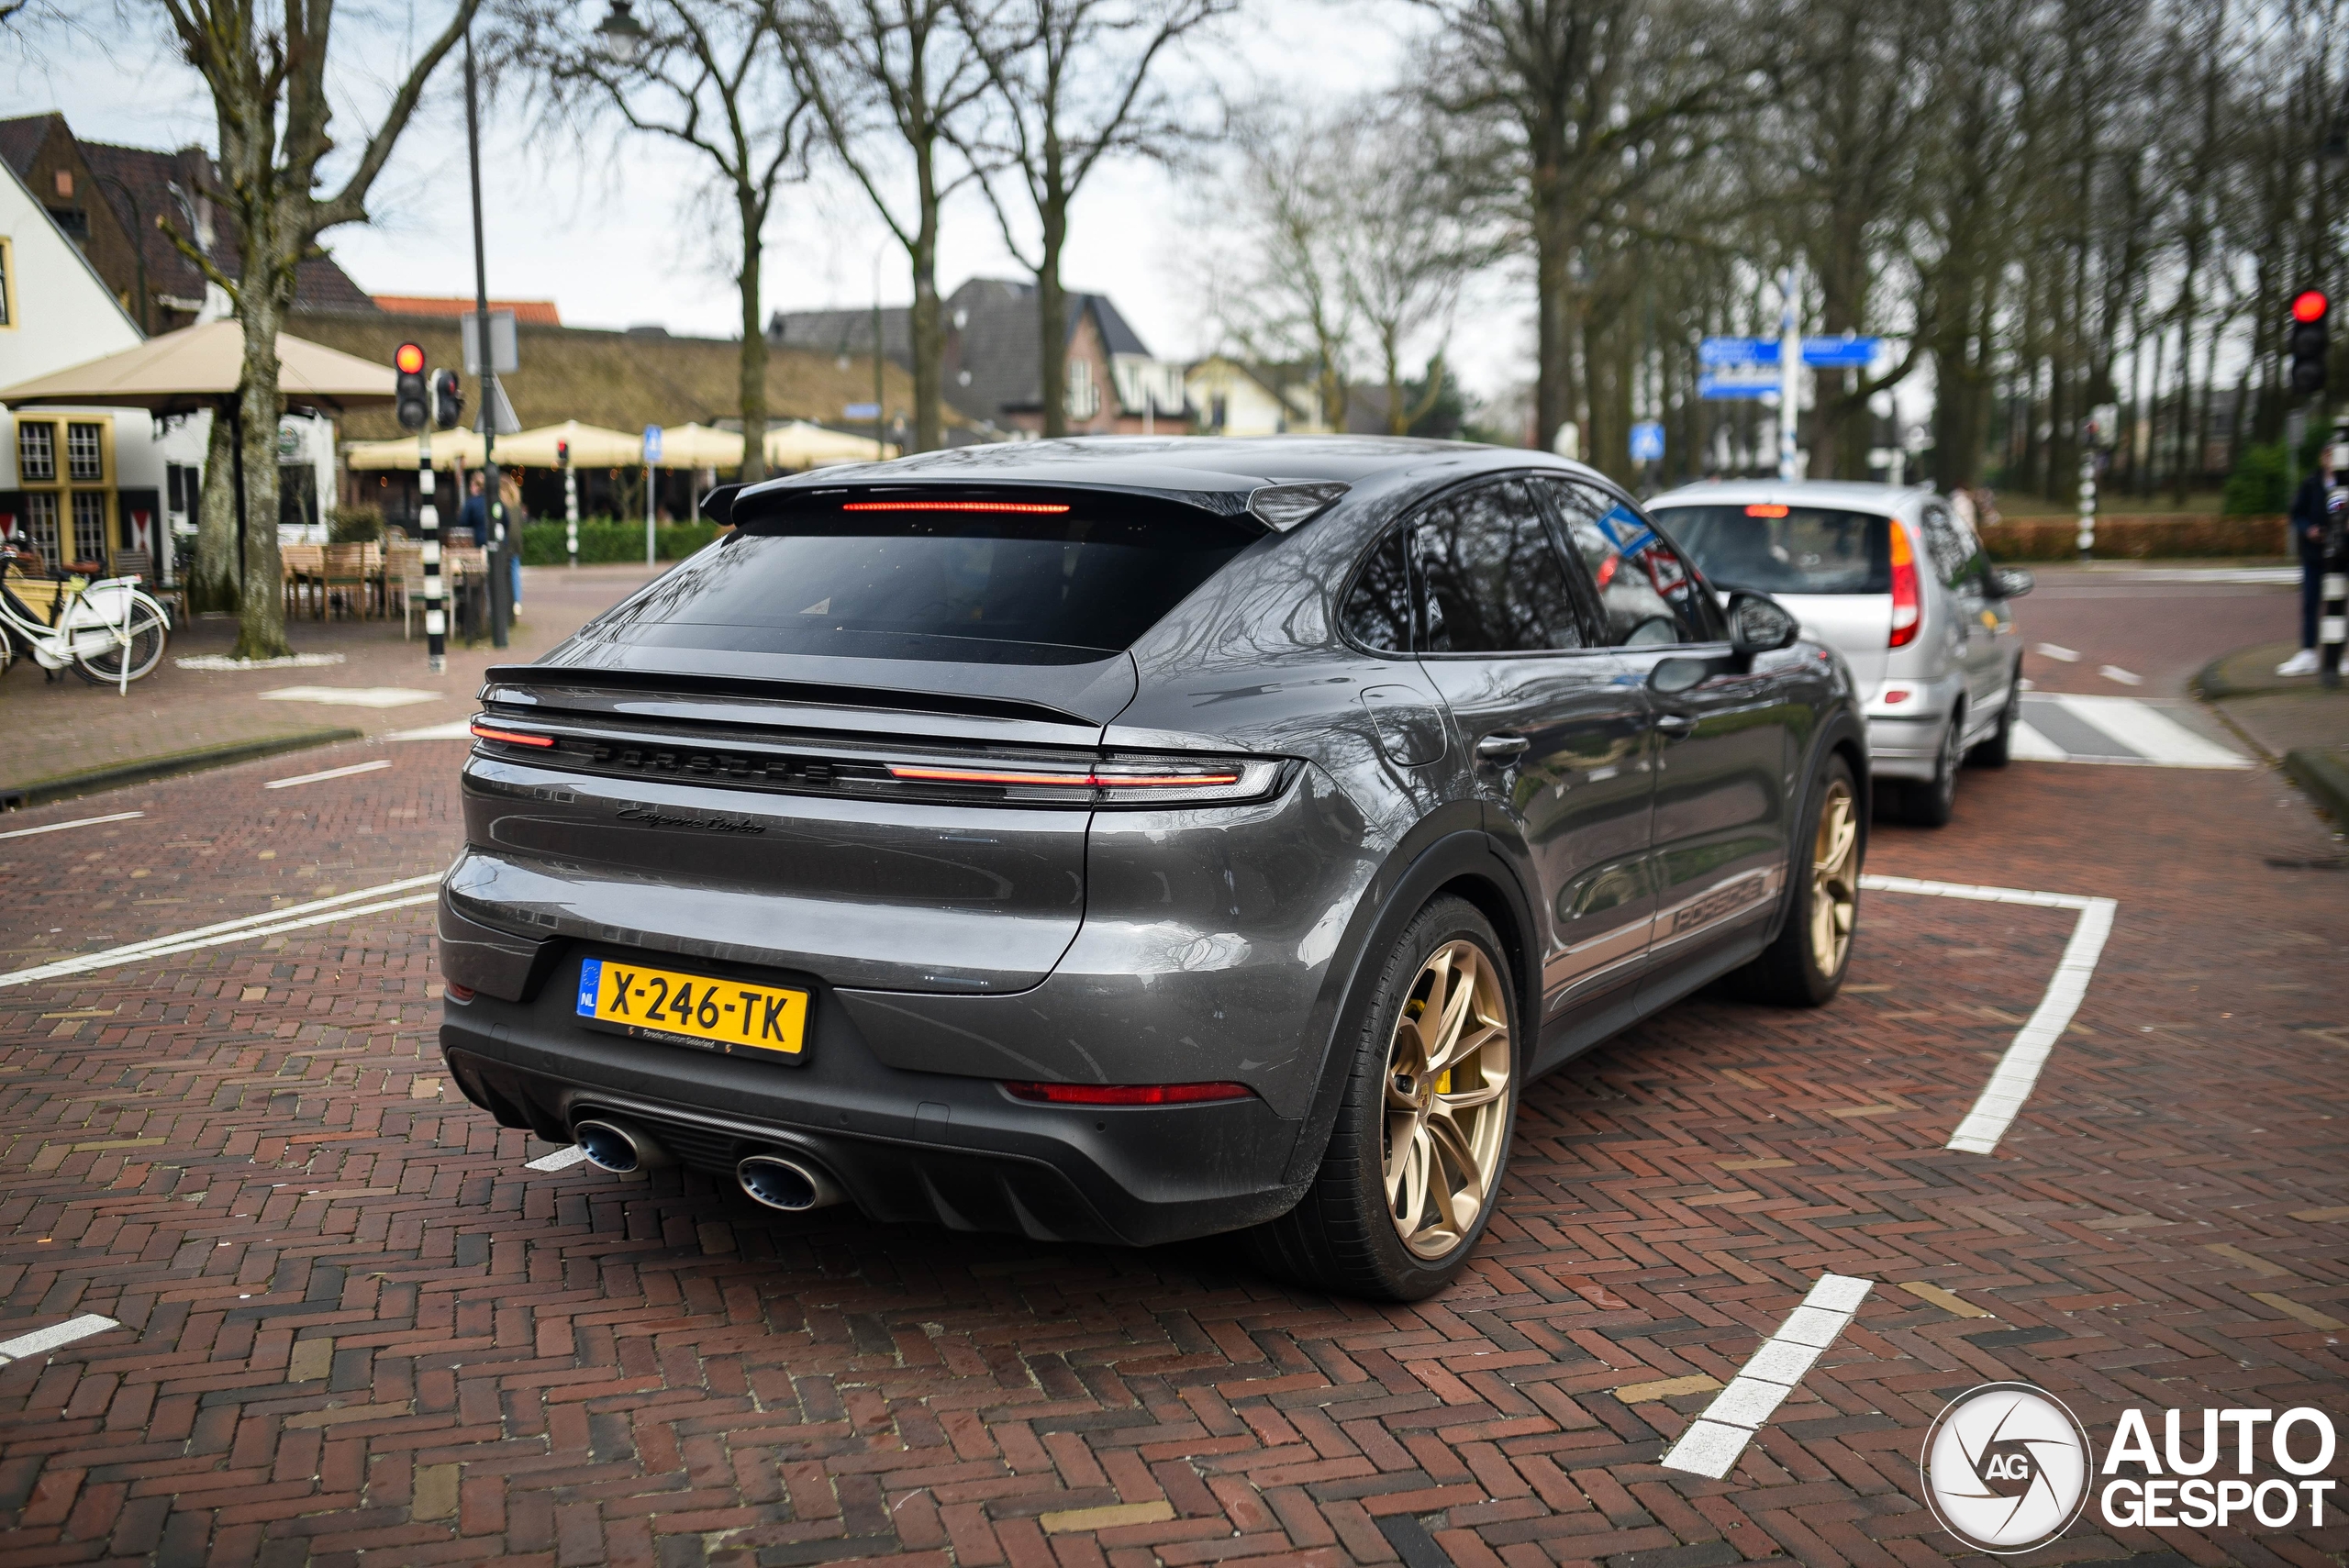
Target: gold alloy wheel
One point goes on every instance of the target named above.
(1834, 879)
(1447, 1099)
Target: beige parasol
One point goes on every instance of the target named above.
(592, 445)
(196, 367)
(796, 444)
(450, 449)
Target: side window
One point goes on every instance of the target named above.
(1490, 579)
(1950, 545)
(1378, 613)
(1646, 593)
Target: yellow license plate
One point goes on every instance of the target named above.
(694, 1010)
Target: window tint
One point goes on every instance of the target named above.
(1786, 550)
(1377, 614)
(906, 581)
(1491, 580)
(1646, 593)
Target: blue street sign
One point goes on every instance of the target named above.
(1647, 441)
(652, 445)
(862, 411)
(1842, 353)
(1737, 351)
(1725, 388)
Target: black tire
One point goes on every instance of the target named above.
(1931, 803)
(1999, 749)
(1342, 1237)
(147, 639)
(1788, 973)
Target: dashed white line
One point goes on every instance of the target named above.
(40, 1342)
(329, 774)
(2018, 1071)
(1711, 1444)
(2060, 654)
(2115, 673)
(455, 730)
(294, 917)
(77, 822)
(561, 1160)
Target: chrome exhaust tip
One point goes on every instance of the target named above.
(617, 1147)
(786, 1184)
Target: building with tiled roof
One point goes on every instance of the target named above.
(526, 312)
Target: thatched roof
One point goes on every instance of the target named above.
(623, 380)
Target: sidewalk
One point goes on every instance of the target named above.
(2293, 720)
(66, 737)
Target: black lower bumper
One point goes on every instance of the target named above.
(907, 1147)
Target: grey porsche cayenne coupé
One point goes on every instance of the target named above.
(1128, 840)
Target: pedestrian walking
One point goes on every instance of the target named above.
(2316, 512)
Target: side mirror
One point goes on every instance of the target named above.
(2010, 581)
(1759, 624)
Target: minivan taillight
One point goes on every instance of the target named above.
(1907, 606)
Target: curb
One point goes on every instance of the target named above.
(2326, 775)
(42, 791)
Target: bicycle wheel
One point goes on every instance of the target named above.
(145, 650)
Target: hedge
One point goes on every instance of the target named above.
(602, 539)
(2144, 538)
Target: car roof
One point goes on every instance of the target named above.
(1849, 494)
(1194, 464)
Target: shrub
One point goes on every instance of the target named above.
(2259, 486)
(359, 523)
(607, 539)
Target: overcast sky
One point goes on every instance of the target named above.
(614, 239)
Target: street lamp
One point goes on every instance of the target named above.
(624, 37)
(138, 243)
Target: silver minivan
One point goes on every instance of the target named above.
(1896, 581)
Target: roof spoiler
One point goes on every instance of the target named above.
(717, 505)
(1282, 507)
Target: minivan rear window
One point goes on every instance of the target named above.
(1068, 578)
(1782, 548)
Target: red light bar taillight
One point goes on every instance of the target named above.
(1030, 506)
(511, 737)
(1767, 509)
(1127, 1094)
(1154, 781)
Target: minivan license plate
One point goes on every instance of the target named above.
(694, 1010)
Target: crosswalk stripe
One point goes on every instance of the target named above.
(2064, 727)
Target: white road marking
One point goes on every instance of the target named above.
(77, 822)
(455, 730)
(329, 774)
(2028, 745)
(352, 696)
(286, 662)
(40, 1342)
(2115, 673)
(318, 912)
(2132, 732)
(561, 1160)
(2018, 1071)
(2061, 655)
(1713, 1442)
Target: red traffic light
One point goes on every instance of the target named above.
(2309, 305)
(408, 359)
(562, 452)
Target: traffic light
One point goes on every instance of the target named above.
(563, 454)
(408, 361)
(448, 400)
(2308, 341)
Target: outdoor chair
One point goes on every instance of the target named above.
(345, 572)
(300, 565)
(404, 579)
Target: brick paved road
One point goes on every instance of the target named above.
(358, 1329)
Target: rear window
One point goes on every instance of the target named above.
(1786, 548)
(1061, 579)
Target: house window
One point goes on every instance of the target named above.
(68, 504)
(1218, 406)
(40, 523)
(85, 457)
(36, 452)
(8, 284)
(89, 525)
(1084, 397)
(73, 223)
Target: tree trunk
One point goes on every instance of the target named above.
(1052, 319)
(754, 344)
(261, 621)
(213, 584)
(1554, 351)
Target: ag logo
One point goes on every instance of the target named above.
(2006, 1468)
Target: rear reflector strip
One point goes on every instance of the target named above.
(511, 737)
(1069, 780)
(1127, 1093)
(1032, 507)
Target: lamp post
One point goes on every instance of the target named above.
(501, 582)
(138, 243)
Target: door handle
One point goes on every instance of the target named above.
(1502, 747)
(1675, 723)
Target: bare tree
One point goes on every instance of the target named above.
(1070, 80)
(268, 80)
(711, 75)
(1402, 249)
(1280, 294)
(887, 78)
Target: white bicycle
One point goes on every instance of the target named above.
(108, 632)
